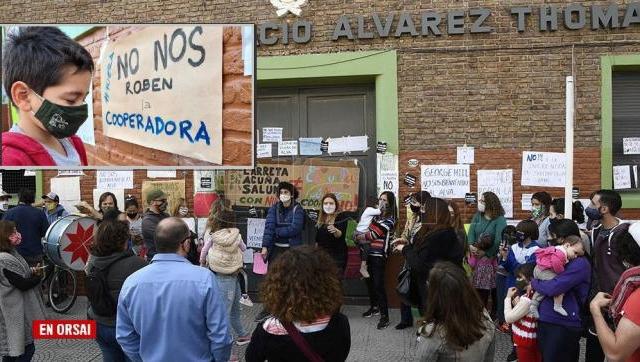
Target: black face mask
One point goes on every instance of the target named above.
(61, 121)
(132, 215)
(415, 209)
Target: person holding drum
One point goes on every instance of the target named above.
(20, 299)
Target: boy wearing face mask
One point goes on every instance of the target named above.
(52, 208)
(47, 77)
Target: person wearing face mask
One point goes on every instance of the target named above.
(4, 202)
(540, 205)
(285, 220)
(53, 209)
(156, 212)
(330, 231)
(416, 207)
(623, 305)
(31, 223)
(517, 313)
(20, 299)
(379, 236)
(47, 76)
(134, 219)
(606, 232)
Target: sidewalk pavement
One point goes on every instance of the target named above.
(367, 343)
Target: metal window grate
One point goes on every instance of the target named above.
(14, 180)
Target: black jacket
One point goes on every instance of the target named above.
(422, 255)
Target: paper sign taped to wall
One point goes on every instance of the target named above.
(272, 134)
(500, 182)
(162, 88)
(526, 202)
(631, 146)
(546, 169)
(161, 173)
(348, 144)
(114, 179)
(310, 146)
(445, 181)
(204, 180)
(68, 190)
(388, 176)
(288, 148)
(263, 150)
(465, 155)
(621, 177)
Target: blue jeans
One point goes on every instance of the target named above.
(501, 289)
(230, 291)
(111, 350)
(29, 350)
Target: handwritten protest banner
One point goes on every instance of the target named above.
(313, 179)
(162, 88)
(174, 189)
(631, 146)
(255, 232)
(543, 169)
(446, 181)
(387, 175)
(107, 180)
(621, 177)
(500, 182)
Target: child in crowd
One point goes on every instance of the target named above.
(484, 267)
(243, 279)
(46, 76)
(550, 261)
(517, 312)
(363, 226)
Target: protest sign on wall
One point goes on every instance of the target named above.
(387, 175)
(161, 173)
(106, 180)
(621, 177)
(204, 180)
(68, 190)
(445, 181)
(174, 189)
(500, 182)
(155, 85)
(313, 179)
(631, 146)
(465, 155)
(544, 169)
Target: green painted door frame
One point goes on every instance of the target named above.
(609, 64)
(343, 68)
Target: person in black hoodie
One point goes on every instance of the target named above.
(109, 253)
(436, 241)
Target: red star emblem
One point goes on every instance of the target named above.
(79, 243)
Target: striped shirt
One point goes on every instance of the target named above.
(379, 235)
(523, 328)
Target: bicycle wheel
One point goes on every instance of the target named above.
(62, 290)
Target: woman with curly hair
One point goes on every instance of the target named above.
(488, 221)
(306, 323)
(456, 327)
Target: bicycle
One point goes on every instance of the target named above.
(61, 285)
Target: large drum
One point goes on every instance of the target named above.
(68, 239)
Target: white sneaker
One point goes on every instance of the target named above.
(245, 300)
(363, 271)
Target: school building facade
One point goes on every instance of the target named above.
(426, 77)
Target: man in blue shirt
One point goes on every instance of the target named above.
(172, 310)
(31, 224)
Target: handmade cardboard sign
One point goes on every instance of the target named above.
(313, 179)
(162, 88)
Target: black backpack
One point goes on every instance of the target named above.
(100, 298)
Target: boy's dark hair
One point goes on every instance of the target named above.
(563, 228)
(525, 270)
(577, 210)
(26, 196)
(288, 186)
(509, 234)
(131, 201)
(529, 228)
(485, 242)
(38, 55)
(610, 199)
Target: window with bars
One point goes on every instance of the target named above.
(626, 125)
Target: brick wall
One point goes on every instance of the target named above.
(236, 113)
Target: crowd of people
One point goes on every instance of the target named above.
(548, 281)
